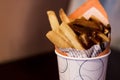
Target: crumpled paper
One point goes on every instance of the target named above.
(92, 52)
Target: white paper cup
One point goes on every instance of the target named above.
(82, 68)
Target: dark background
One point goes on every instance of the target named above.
(44, 67)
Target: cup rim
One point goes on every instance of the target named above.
(72, 58)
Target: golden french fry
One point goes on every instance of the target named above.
(98, 22)
(53, 20)
(61, 34)
(57, 40)
(69, 33)
(94, 18)
(84, 38)
(63, 16)
(106, 31)
(104, 37)
(85, 23)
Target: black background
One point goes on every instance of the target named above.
(44, 67)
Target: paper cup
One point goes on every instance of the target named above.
(82, 68)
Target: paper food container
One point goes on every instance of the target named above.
(71, 68)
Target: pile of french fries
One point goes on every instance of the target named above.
(63, 35)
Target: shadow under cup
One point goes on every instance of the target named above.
(82, 68)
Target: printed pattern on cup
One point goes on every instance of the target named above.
(96, 70)
(70, 69)
(64, 65)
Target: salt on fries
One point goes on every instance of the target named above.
(63, 36)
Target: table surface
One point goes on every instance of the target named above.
(44, 67)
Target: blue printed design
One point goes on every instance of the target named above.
(64, 66)
(86, 72)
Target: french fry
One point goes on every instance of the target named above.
(104, 37)
(94, 19)
(57, 40)
(85, 27)
(69, 33)
(85, 23)
(98, 22)
(61, 34)
(63, 16)
(84, 38)
(53, 20)
(74, 34)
